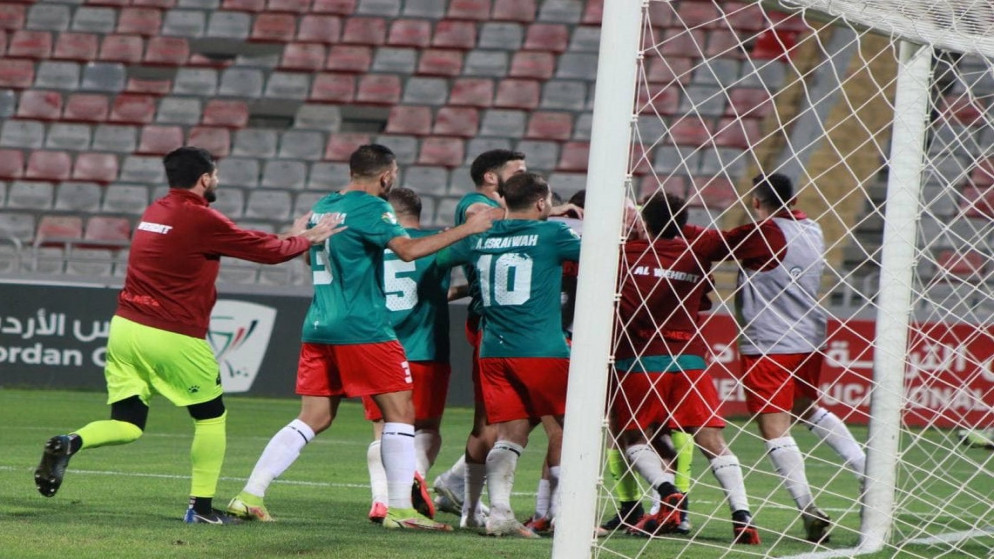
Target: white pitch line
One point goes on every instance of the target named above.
(954, 536)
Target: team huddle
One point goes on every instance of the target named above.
(377, 329)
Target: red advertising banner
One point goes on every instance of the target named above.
(949, 376)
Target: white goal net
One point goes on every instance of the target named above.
(879, 113)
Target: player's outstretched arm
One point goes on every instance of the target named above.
(329, 225)
(408, 249)
(565, 209)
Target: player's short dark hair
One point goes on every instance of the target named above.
(405, 201)
(185, 165)
(578, 198)
(773, 191)
(370, 160)
(491, 161)
(664, 214)
(524, 189)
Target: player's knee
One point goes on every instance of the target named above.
(207, 410)
(130, 410)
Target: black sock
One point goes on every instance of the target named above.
(665, 489)
(201, 505)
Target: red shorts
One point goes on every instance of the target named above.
(773, 381)
(431, 387)
(352, 370)
(678, 400)
(523, 387)
(473, 336)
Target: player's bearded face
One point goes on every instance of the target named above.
(210, 189)
(386, 181)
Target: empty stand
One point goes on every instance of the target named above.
(79, 47)
(472, 92)
(216, 140)
(284, 174)
(308, 57)
(48, 165)
(333, 88)
(139, 21)
(441, 151)
(237, 171)
(410, 33)
(22, 134)
(17, 74)
(288, 85)
(29, 44)
(302, 144)
(160, 140)
(167, 51)
(53, 230)
(517, 94)
(130, 108)
(125, 198)
(349, 58)
(255, 142)
(378, 89)
(532, 64)
(65, 135)
(574, 156)
(440, 62)
(462, 122)
(341, 146)
(78, 197)
(30, 195)
(454, 34)
(550, 126)
(40, 104)
(551, 37)
(86, 107)
(406, 119)
(96, 167)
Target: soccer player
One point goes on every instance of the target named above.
(523, 371)
(157, 335)
(782, 337)
(417, 298)
(658, 353)
(349, 347)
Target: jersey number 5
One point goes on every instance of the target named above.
(506, 280)
(402, 292)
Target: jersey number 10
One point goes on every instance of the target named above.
(506, 280)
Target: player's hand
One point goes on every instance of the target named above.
(565, 209)
(481, 221)
(329, 225)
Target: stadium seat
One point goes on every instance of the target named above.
(333, 88)
(303, 202)
(564, 95)
(689, 131)
(463, 122)
(666, 70)
(148, 86)
(426, 180)
(746, 17)
(19, 225)
(749, 102)
(79, 47)
(184, 23)
(288, 85)
(532, 64)
(179, 110)
(426, 91)
(64, 135)
(340, 7)
(319, 29)
(574, 156)
(567, 184)
(22, 134)
(89, 262)
(542, 155)
(724, 43)
(387, 8)
(139, 21)
(16, 74)
(410, 33)
(428, 9)
(50, 17)
(517, 94)
(772, 44)
(660, 99)
(132, 109)
(563, 11)
(48, 165)
(454, 34)
(94, 19)
(394, 60)
(40, 104)
(501, 36)
(105, 228)
(55, 229)
(472, 92)
(441, 151)
(514, 10)
(229, 25)
(349, 58)
(115, 138)
(378, 89)
(214, 139)
(57, 75)
(439, 62)
(406, 148)
(370, 31)
(306, 57)
(29, 44)
(279, 28)
(318, 117)
(550, 126)
(78, 197)
(238, 171)
(503, 123)
(103, 76)
(715, 193)
(445, 212)
(956, 265)
(228, 113)
(244, 5)
(977, 202)
(30, 195)
(486, 63)
(576, 66)
(478, 10)
(584, 123)
(341, 146)
(161, 4)
(547, 37)
(142, 169)
(593, 12)
(167, 51)
(268, 204)
(292, 6)
(327, 176)
(241, 82)
(230, 202)
(255, 142)
(86, 107)
(126, 49)
(405, 119)
(160, 140)
(302, 144)
(125, 198)
(96, 167)
(12, 16)
(741, 134)
(284, 174)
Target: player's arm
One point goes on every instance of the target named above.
(227, 239)
(457, 292)
(478, 207)
(566, 209)
(408, 249)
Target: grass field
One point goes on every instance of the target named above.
(128, 501)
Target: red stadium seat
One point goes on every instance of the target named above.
(11, 164)
(130, 108)
(162, 4)
(229, 113)
(40, 104)
(443, 152)
(405, 119)
(983, 174)
(679, 42)
(149, 87)
(30, 44)
(81, 47)
(742, 134)
(52, 229)
(669, 69)
(533, 64)
(379, 89)
(370, 31)
(319, 29)
(49, 166)
(963, 109)
(553, 37)
(454, 34)
(167, 51)
(658, 99)
(86, 107)
(437, 62)
(307, 57)
(517, 94)
(410, 33)
(746, 18)
(749, 102)
(12, 16)
(126, 49)
(717, 193)
(514, 10)
(961, 266)
(472, 92)
(690, 131)
(593, 12)
(661, 14)
(159, 140)
(333, 88)
(349, 58)
(244, 5)
(340, 7)
(772, 44)
(95, 167)
(574, 156)
(16, 74)
(341, 146)
(550, 126)
(293, 6)
(279, 28)
(478, 10)
(213, 139)
(724, 43)
(463, 122)
(977, 202)
(103, 228)
(139, 21)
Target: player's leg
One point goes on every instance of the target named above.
(626, 490)
(539, 521)
(374, 464)
(726, 469)
(431, 384)
(502, 462)
(683, 444)
(207, 456)
(547, 497)
(647, 460)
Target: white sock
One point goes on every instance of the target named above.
(727, 471)
(426, 446)
(397, 452)
(544, 494)
(455, 477)
(828, 427)
(789, 462)
(377, 475)
(501, 463)
(647, 463)
(282, 450)
(657, 502)
(554, 472)
(475, 479)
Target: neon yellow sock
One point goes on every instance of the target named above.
(684, 445)
(626, 486)
(207, 455)
(108, 432)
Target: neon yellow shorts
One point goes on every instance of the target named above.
(142, 361)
